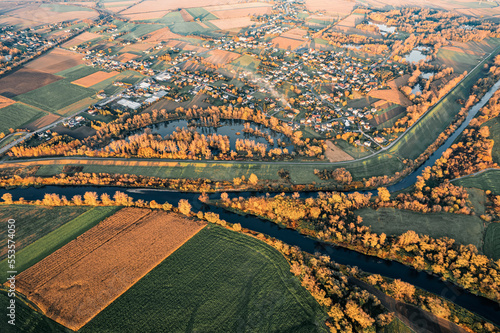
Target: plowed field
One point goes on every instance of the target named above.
(78, 281)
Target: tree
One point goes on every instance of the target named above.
(384, 194)
(184, 207)
(91, 198)
(7, 198)
(253, 179)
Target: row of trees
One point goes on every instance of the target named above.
(331, 217)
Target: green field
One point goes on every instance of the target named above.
(18, 115)
(219, 281)
(492, 241)
(465, 229)
(140, 30)
(27, 319)
(55, 96)
(44, 246)
(65, 8)
(494, 126)
(246, 61)
(34, 222)
(396, 326)
(77, 72)
(460, 61)
(201, 14)
(131, 77)
(488, 180)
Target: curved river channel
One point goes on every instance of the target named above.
(477, 304)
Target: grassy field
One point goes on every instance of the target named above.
(55, 96)
(201, 13)
(396, 326)
(18, 115)
(27, 319)
(131, 77)
(34, 222)
(488, 180)
(460, 61)
(77, 72)
(218, 281)
(247, 62)
(494, 126)
(492, 241)
(464, 229)
(56, 239)
(65, 8)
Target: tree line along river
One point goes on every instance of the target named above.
(477, 304)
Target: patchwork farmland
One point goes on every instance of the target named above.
(62, 285)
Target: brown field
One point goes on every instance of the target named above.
(82, 38)
(75, 283)
(143, 15)
(184, 46)
(186, 16)
(351, 21)
(221, 57)
(137, 47)
(42, 122)
(34, 14)
(95, 78)
(161, 35)
(55, 61)
(4, 101)
(392, 95)
(335, 154)
(240, 10)
(342, 7)
(294, 34)
(77, 106)
(25, 80)
(287, 43)
(382, 118)
(127, 57)
(231, 23)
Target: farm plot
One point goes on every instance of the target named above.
(161, 35)
(287, 43)
(4, 101)
(42, 122)
(25, 80)
(55, 61)
(77, 72)
(337, 7)
(34, 222)
(56, 239)
(55, 96)
(221, 57)
(63, 286)
(494, 126)
(240, 10)
(18, 115)
(492, 241)
(231, 23)
(33, 15)
(335, 154)
(459, 60)
(125, 57)
(219, 281)
(464, 229)
(94, 78)
(247, 62)
(488, 180)
(82, 38)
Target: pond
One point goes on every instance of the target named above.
(232, 128)
(427, 75)
(384, 29)
(416, 89)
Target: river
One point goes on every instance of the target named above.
(477, 304)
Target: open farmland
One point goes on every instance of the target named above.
(56, 239)
(27, 319)
(220, 57)
(464, 229)
(488, 180)
(287, 43)
(81, 38)
(494, 126)
(4, 101)
(77, 72)
(18, 115)
(458, 59)
(34, 222)
(42, 122)
(240, 10)
(231, 23)
(341, 7)
(63, 286)
(218, 281)
(25, 80)
(247, 62)
(55, 96)
(55, 61)
(94, 78)
(492, 241)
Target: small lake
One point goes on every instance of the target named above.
(427, 75)
(416, 89)
(417, 54)
(231, 128)
(384, 29)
